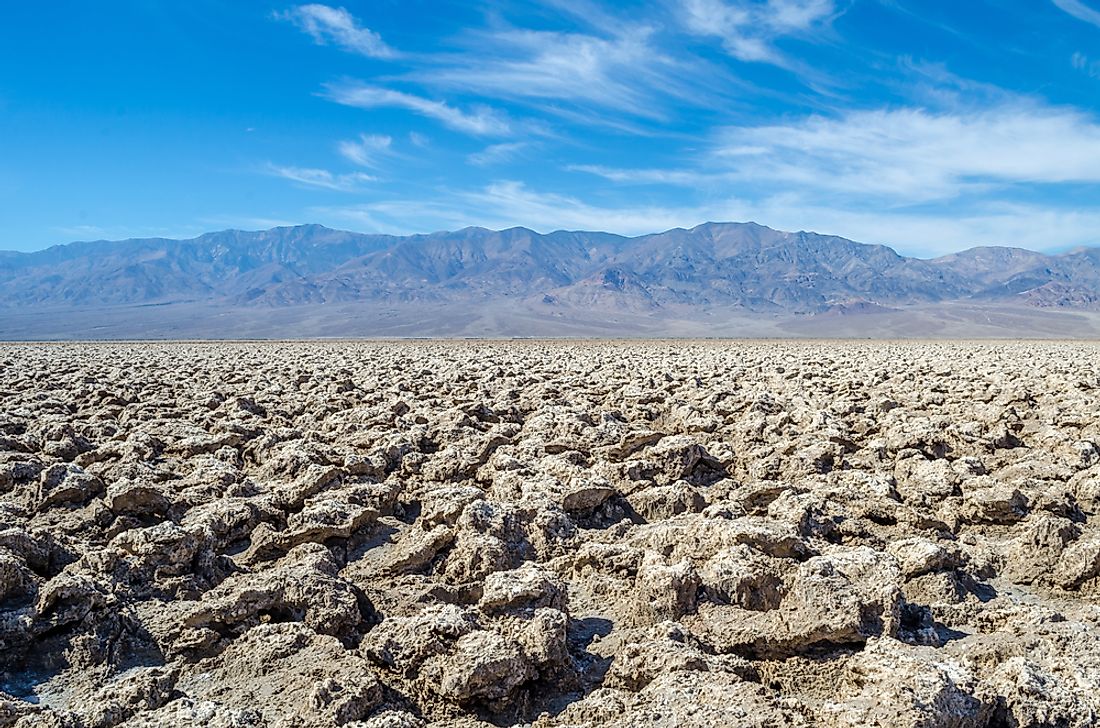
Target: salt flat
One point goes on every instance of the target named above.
(464, 533)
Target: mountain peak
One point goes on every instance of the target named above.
(713, 266)
(726, 224)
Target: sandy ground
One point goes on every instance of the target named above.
(550, 534)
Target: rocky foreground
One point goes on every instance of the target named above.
(549, 534)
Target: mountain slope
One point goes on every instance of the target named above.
(687, 274)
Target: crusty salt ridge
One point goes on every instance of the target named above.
(391, 535)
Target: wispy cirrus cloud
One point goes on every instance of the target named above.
(326, 24)
(929, 161)
(609, 69)
(497, 153)
(1087, 65)
(365, 150)
(247, 222)
(627, 72)
(323, 178)
(931, 232)
(900, 156)
(480, 120)
(748, 29)
(1079, 10)
(911, 155)
(653, 175)
(508, 203)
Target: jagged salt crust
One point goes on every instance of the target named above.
(393, 535)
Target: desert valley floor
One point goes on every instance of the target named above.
(549, 534)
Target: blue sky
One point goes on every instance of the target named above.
(928, 125)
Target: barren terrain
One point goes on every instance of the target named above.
(737, 280)
(390, 535)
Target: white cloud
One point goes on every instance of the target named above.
(509, 203)
(608, 69)
(898, 156)
(320, 177)
(913, 155)
(506, 204)
(481, 120)
(748, 29)
(246, 222)
(1083, 63)
(360, 218)
(497, 153)
(937, 232)
(678, 177)
(1080, 10)
(366, 150)
(918, 178)
(628, 71)
(796, 15)
(326, 24)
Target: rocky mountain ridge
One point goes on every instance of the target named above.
(740, 265)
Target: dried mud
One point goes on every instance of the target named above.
(391, 535)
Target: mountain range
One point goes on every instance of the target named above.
(713, 279)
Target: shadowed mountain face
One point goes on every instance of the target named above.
(716, 266)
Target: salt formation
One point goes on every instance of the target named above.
(395, 535)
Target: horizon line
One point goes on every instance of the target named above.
(7, 253)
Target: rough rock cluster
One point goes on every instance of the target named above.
(398, 535)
